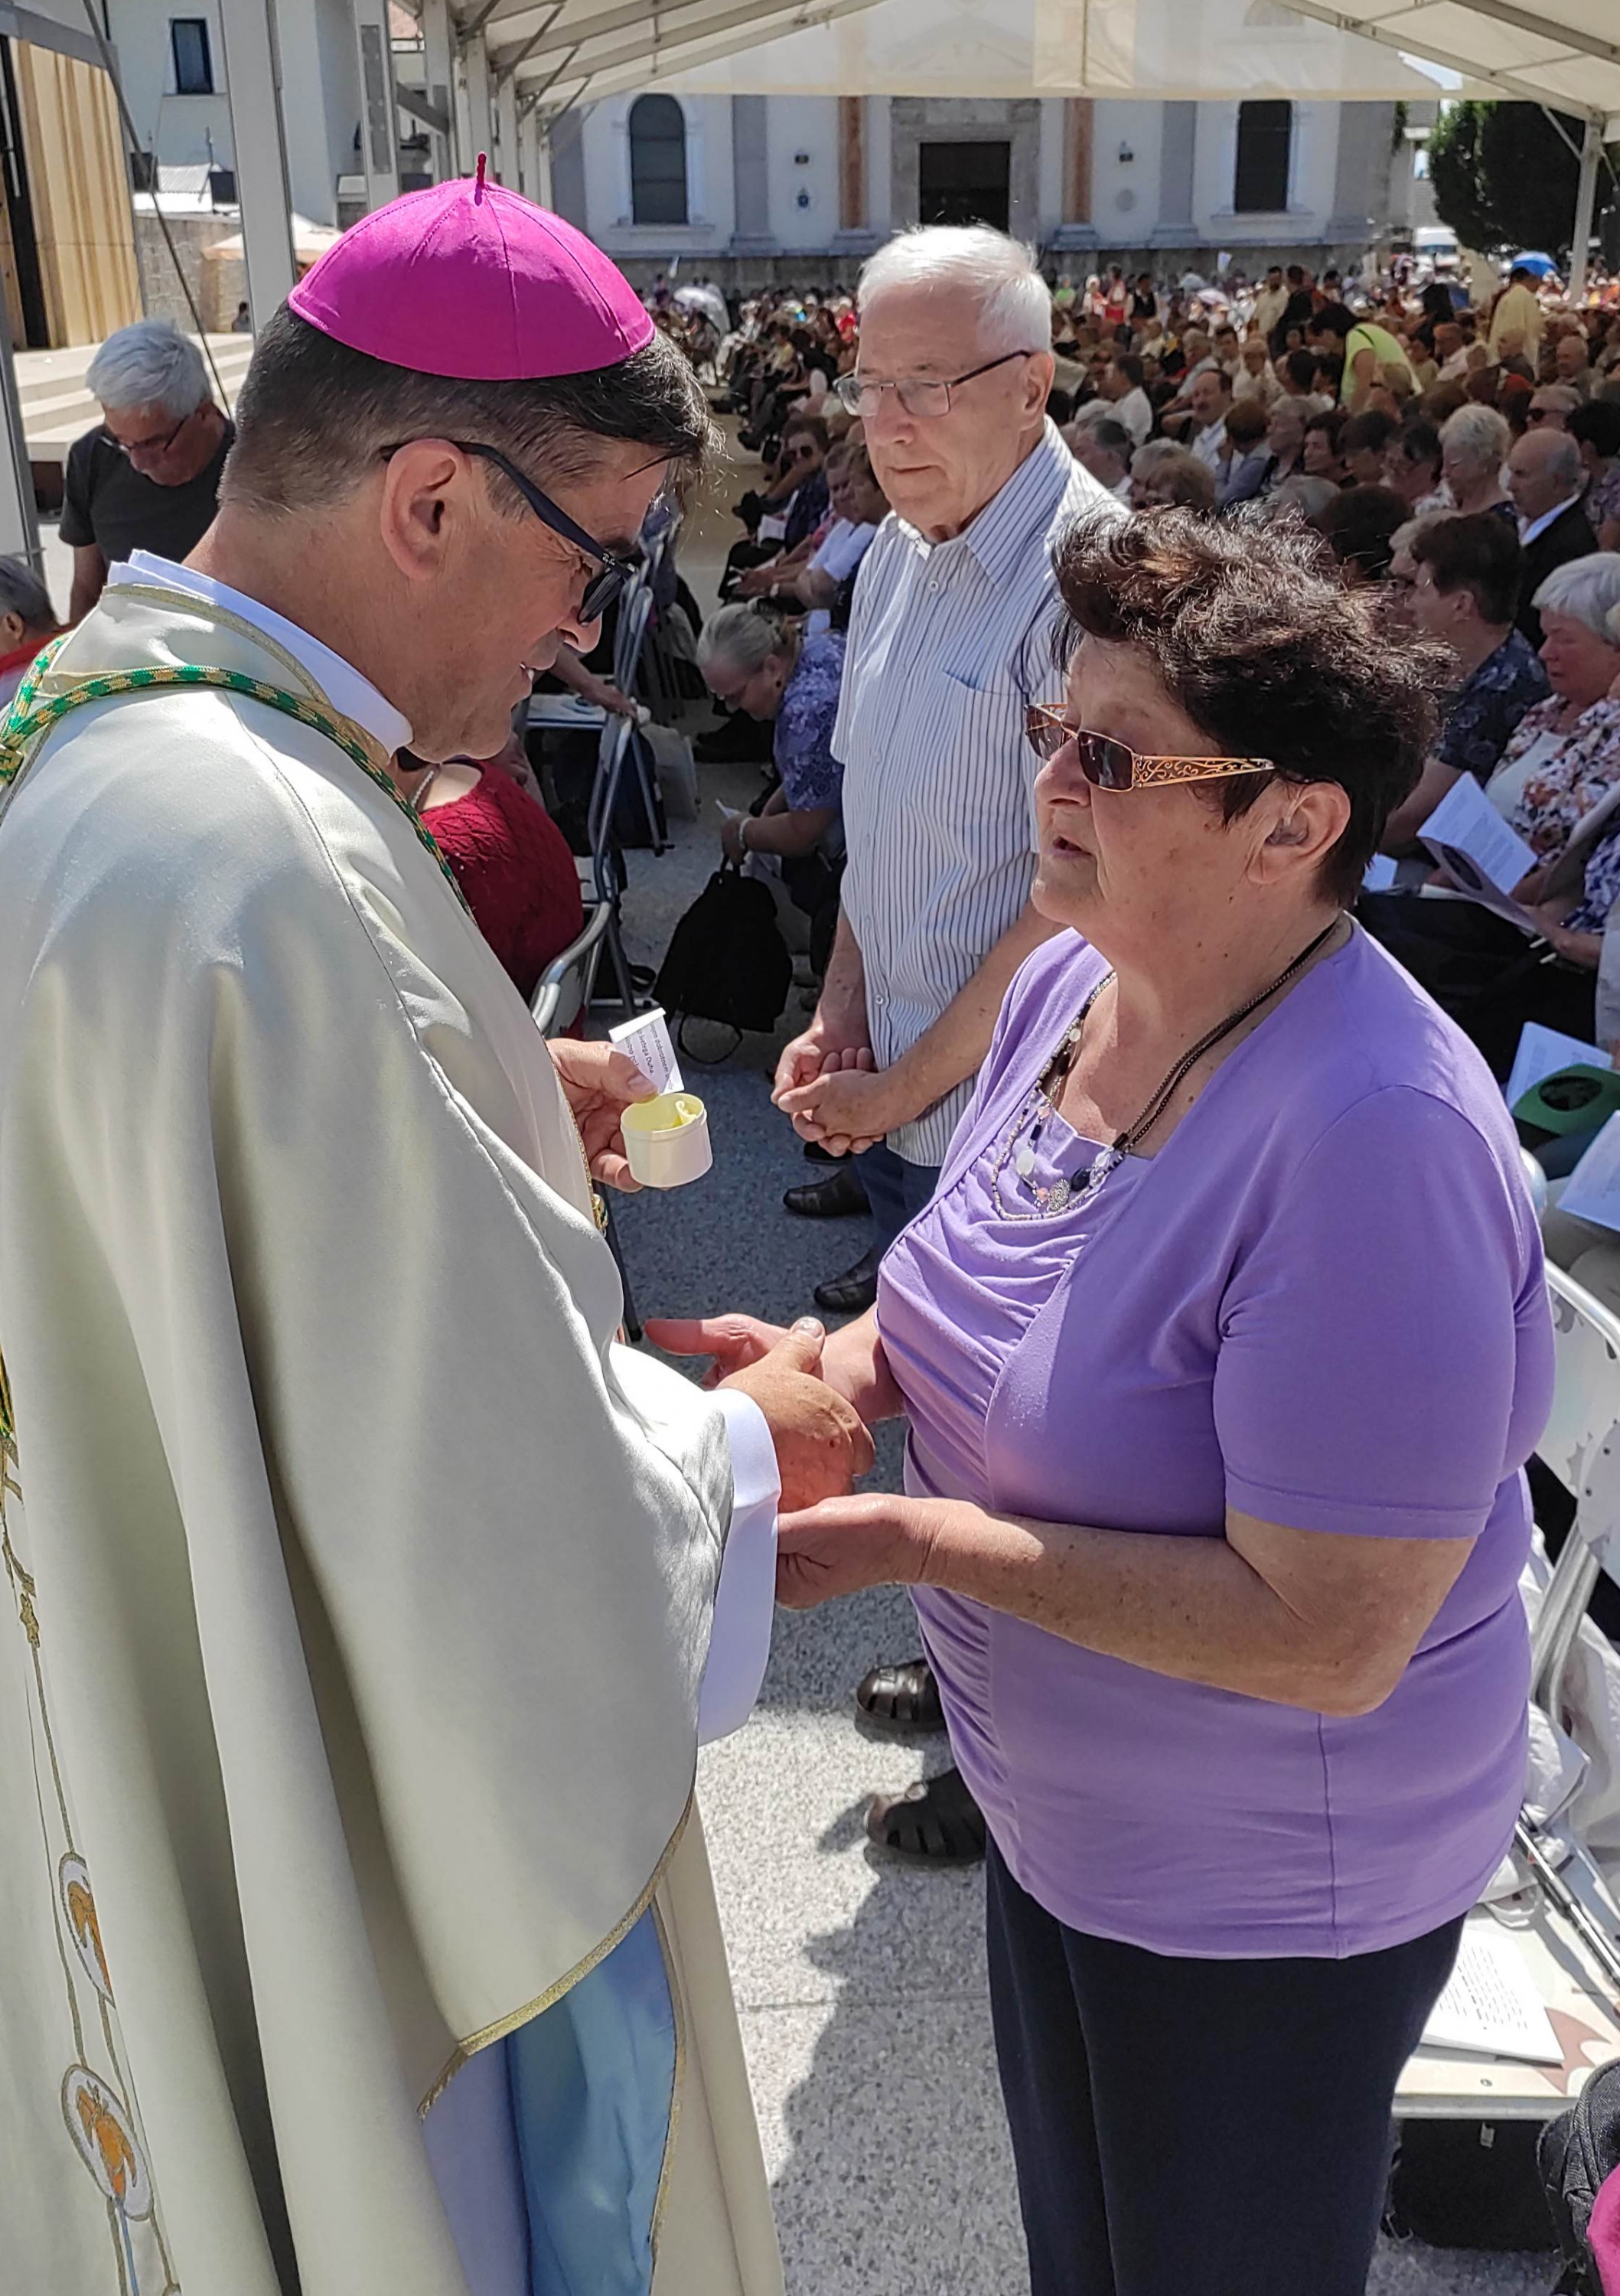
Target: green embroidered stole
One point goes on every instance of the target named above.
(29, 719)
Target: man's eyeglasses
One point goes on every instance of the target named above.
(1110, 765)
(130, 447)
(920, 394)
(601, 589)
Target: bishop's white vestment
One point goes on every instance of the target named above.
(360, 1582)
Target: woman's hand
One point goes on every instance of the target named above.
(732, 1342)
(872, 1539)
(601, 1082)
(731, 836)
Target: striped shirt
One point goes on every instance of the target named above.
(948, 642)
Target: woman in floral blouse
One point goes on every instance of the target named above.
(755, 660)
(1563, 760)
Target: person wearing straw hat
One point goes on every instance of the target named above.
(369, 1596)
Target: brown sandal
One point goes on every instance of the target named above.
(903, 1699)
(937, 1822)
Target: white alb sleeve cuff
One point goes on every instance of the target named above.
(745, 1601)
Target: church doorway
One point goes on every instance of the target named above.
(964, 182)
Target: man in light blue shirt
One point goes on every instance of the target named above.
(950, 640)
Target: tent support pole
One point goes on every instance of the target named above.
(1586, 198)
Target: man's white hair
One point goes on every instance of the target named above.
(1588, 591)
(151, 364)
(996, 273)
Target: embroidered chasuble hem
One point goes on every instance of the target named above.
(678, 2009)
(498, 2030)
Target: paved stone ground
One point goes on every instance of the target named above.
(860, 1981)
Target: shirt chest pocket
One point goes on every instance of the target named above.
(973, 734)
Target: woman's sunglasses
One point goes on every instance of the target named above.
(1110, 765)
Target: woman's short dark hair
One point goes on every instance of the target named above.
(1597, 424)
(1252, 633)
(1370, 432)
(1420, 442)
(1480, 553)
(1302, 369)
(1332, 420)
(1361, 525)
(313, 416)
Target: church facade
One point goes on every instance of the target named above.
(756, 189)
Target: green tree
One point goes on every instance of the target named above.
(1504, 178)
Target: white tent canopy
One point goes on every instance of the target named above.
(579, 50)
(1563, 53)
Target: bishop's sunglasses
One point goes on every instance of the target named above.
(601, 589)
(1110, 765)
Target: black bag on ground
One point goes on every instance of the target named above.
(1468, 2184)
(726, 959)
(1576, 2153)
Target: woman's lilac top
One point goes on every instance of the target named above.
(1321, 1303)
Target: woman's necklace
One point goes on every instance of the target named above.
(1040, 1105)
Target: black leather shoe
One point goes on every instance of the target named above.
(839, 1196)
(853, 1292)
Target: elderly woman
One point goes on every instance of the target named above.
(1595, 427)
(1464, 584)
(1562, 761)
(1473, 445)
(754, 661)
(1223, 1343)
(1321, 456)
(27, 621)
(1164, 475)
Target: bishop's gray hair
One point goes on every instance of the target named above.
(314, 416)
(150, 364)
(997, 275)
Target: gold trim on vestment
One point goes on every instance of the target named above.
(503, 2026)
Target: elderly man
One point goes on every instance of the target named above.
(1104, 448)
(1255, 378)
(1209, 401)
(1572, 358)
(148, 478)
(1551, 405)
(360, 1625)
(949, 641)
(1546, 482)
(1271, 301)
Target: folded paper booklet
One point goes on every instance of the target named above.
(1592, 1190)
(1490, 2003)
(1484, 857)
(1542, 1053)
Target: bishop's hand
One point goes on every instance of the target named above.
(822, 1444)
(601, 1082)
